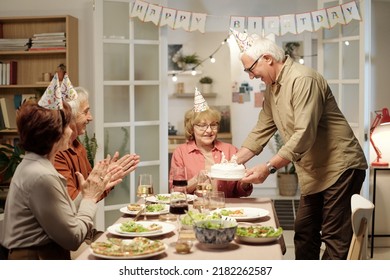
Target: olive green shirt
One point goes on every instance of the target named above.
(317, 137)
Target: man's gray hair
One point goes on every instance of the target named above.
(265, 46)
(82, 95)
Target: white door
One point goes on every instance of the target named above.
(342, 53)
(130, 99)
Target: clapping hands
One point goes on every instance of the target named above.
(126, 164)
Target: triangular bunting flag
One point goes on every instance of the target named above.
(320, 19)
(335, 15)
(153, 14)
(183, 20)
(168, 17)
(198, 22)
(139, 9)
(350, 11)
(287, 24)
(255, 25)
(304, 22)
(271, 25)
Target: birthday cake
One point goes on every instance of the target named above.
(227, 169)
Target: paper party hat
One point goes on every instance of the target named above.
(55, 93)
(200, 103)
(244, 41)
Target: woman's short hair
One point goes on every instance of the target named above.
(40, 128)
(191, 118)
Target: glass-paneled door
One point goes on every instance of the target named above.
(130, 101)
(343, 58)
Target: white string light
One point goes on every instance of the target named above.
(211, 57)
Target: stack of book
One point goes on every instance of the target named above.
(48, 41)
(14, 44)
(8, 72)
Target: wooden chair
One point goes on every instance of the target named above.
(361, 215)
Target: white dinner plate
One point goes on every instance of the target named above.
(166, 228)
(231, 178)
(256, 240)
(137, 257)
(127, 211)
(249, 213)
(155, 199)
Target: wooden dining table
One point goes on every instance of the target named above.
(236, 250)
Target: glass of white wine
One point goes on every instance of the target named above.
(145, 187)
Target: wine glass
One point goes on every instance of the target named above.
(145, 187)
(178, 204)
(204, 181)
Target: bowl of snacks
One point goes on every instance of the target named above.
(258, 234)
(216, 233)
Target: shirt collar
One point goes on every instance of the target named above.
(192, 147)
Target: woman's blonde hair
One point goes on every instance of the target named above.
(191, 118)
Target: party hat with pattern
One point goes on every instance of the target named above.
(55, 93)
(244, 41)
(200, 103)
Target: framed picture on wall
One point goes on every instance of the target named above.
(295, 49)
(224, 125)
(174, 51)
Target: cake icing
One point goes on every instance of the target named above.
(227, 169)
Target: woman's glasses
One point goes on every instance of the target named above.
(204, 126)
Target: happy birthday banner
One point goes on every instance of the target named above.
(278, 25)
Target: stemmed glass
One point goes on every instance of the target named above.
(145, 187)
(178, 204)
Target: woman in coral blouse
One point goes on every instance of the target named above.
(202, 149)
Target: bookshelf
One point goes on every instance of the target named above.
(31, 65)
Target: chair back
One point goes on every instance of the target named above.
(361, 215)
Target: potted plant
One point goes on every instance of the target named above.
(188, 62)
(287, 179)
(206, 84)
(10, 157)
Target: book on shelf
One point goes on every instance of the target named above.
(47, 49)
(13, 72)
(48, 34)
(8, 111)
(8, 72)
(14, 44)
(2, 124)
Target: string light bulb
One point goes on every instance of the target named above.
(212, 59)
(193, 72)
(174, 78)
(301, 60)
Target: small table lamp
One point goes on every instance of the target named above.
(382, 118)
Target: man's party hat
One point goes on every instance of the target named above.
(244, 41)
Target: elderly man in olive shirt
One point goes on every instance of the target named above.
(318, 139)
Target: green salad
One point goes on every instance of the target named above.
(196, 216)
(155, 207)
(215, 225)
(132, 226)
(162, 197)
(259, 231)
